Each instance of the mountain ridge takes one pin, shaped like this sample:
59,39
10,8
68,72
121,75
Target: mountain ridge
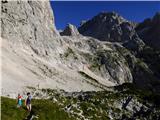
35,54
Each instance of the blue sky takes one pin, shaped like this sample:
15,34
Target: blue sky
75,11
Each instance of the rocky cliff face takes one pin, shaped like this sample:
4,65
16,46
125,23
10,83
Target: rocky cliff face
28,36
149,31
34,54
105,26
26,24
109,26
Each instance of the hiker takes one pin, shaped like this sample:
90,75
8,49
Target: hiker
19,101
28,101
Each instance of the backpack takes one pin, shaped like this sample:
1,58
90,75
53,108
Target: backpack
29,100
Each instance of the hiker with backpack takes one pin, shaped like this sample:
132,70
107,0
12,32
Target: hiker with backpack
28,102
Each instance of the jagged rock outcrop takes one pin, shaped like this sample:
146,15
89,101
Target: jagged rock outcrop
109,26
70,30
149,31
103,27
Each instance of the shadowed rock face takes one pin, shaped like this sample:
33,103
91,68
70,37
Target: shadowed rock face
149,31
104,26
109,26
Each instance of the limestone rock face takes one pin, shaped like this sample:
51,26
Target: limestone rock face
70,30
99,60
103,27
29,24
34,54
109,26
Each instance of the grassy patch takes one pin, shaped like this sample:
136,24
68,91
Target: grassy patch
89,105
45,109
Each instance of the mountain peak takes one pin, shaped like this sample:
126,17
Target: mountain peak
156,18
70,30
149,31
106,26
110,26
110,17
112,13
